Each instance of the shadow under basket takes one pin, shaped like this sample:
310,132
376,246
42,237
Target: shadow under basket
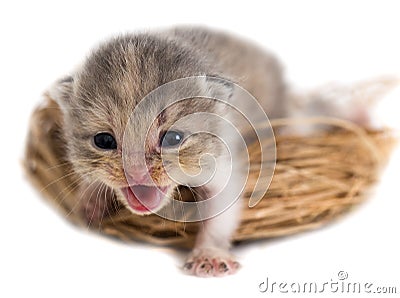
317,178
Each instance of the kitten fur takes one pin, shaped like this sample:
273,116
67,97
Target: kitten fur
101,94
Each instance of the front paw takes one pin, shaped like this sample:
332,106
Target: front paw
96,203
207,262
92,212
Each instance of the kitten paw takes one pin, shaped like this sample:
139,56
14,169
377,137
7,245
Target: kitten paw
93,212
208,262
97,203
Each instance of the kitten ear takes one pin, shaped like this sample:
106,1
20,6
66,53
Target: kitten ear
61,91
219,88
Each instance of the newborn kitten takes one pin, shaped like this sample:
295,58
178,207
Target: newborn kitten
99,98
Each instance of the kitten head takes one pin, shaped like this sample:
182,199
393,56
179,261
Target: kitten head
140,142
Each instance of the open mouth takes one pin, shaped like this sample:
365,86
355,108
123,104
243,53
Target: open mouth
144,198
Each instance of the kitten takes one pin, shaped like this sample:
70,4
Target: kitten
124,139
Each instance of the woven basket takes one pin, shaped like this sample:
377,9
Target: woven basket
317,179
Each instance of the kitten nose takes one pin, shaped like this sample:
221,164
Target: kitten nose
138,176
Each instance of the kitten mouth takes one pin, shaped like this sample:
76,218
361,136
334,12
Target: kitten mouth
144,198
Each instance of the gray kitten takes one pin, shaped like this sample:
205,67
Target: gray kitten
98,99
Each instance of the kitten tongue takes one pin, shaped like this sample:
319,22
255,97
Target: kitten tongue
142,198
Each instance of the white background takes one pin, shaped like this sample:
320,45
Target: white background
319,41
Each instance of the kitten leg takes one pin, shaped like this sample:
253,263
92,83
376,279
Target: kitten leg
353,102
96,202
211,256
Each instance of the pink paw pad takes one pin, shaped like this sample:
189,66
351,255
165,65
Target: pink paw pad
203,265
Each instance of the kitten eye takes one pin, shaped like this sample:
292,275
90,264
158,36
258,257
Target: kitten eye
171,138
105,141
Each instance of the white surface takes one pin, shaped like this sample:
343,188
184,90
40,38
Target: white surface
319,41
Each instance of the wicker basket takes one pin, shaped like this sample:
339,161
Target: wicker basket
317,179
